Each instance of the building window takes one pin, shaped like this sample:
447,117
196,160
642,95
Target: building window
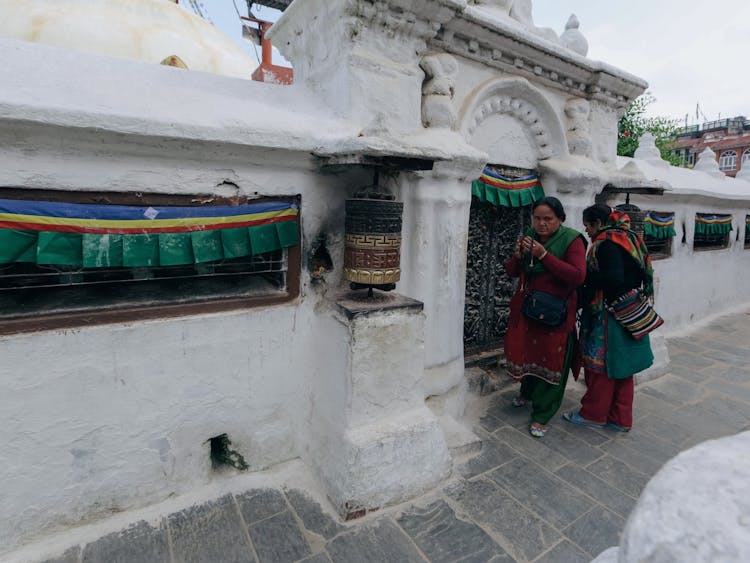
658,233
690,158
76,258
711,231
745,157
728,160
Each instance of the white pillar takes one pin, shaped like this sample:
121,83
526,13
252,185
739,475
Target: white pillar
375,441
433,264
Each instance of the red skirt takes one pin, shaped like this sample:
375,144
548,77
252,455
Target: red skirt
532,349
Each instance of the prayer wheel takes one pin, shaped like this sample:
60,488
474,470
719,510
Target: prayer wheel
637,217
372,251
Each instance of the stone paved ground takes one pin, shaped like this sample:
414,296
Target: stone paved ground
561,499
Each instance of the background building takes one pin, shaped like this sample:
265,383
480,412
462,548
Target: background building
728,138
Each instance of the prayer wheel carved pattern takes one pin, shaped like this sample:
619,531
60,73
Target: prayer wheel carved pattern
636,216
372,251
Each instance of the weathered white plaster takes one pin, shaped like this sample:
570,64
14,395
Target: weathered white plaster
696,508
357,54
113,417
572,37
708,164
104,418
376,442
146,30
648,151
534,114
436,252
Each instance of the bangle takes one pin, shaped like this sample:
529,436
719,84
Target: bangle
543,255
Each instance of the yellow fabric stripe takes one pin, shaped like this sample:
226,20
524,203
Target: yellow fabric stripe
144,223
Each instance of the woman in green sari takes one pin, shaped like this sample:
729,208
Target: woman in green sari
551,258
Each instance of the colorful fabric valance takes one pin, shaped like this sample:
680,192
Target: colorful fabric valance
500,190
712,224
659,225
105,236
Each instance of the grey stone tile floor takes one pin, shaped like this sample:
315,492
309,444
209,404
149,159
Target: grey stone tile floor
560,499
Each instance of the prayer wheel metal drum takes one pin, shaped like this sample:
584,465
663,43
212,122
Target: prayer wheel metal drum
372,252
637,217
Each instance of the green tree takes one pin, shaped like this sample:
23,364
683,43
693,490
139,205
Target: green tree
634,123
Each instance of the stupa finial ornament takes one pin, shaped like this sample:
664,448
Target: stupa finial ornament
647,149
572,38
707,163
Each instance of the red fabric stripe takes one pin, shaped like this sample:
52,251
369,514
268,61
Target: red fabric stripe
139,231
496,184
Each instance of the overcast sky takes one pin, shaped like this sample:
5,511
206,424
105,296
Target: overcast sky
690,52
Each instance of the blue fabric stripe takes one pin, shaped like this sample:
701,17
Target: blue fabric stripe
126,212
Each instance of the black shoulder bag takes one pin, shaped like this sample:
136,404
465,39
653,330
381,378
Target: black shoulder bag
543,308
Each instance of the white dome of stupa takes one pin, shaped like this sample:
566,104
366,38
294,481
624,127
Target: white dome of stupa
156,31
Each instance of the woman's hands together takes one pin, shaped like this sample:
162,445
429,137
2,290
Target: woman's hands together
529,245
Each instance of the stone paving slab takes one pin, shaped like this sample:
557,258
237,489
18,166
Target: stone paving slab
210,532
565,552
521,532
560,499
140,542
375,542
279,539
445,538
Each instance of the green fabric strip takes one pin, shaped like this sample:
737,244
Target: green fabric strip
657,232
163,249
264,238
288,232
140,251
175,249
102,251
207,246
712,228
506,198
235,242
17,246
61,249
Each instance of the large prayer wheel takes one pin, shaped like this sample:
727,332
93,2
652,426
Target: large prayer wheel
372,252
637,216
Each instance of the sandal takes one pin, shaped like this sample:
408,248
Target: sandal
576,418
537,430
518,401
617,427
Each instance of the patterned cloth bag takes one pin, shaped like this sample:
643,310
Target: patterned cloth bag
635,314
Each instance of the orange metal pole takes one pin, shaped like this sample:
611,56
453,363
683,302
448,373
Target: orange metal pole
265,45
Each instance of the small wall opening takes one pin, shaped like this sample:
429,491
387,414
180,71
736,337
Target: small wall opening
222,454
320,259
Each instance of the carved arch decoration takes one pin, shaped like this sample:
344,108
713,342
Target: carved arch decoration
517,98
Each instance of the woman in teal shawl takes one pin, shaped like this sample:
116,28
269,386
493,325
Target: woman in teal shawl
617,262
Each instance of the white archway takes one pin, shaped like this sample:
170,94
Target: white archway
515,100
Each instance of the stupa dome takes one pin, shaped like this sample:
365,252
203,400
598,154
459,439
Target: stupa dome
156,31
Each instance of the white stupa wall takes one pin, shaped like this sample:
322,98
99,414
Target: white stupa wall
694,509
110,417
115,416
145,30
